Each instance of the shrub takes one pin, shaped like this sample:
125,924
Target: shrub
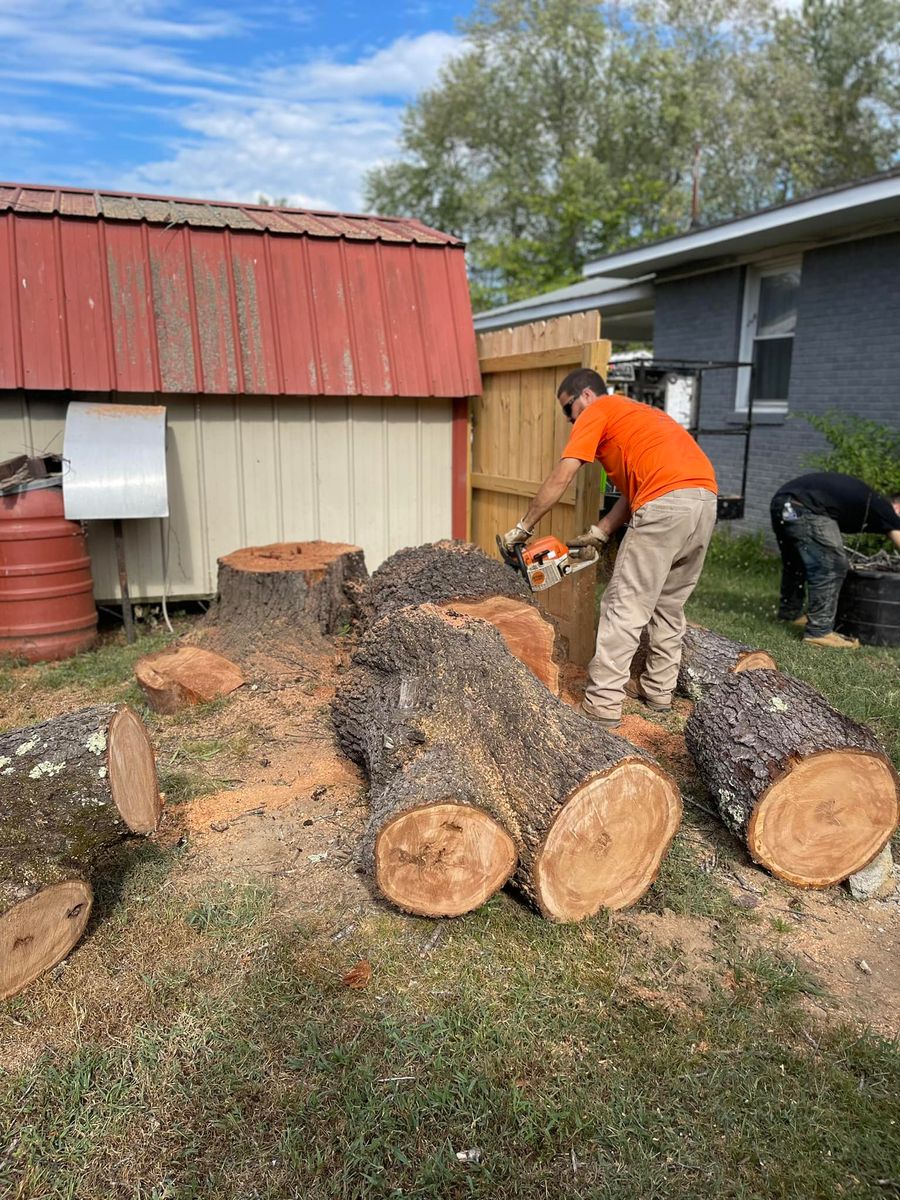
862,448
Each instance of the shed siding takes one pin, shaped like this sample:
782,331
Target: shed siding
846,356
372,471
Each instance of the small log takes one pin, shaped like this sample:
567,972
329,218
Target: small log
180,676
706,658
472,762
459,576
810,792
313,583
69,788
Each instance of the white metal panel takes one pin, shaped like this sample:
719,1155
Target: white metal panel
297,469
370,471
15,437
334,481
369,476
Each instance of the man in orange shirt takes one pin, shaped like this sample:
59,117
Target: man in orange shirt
668,491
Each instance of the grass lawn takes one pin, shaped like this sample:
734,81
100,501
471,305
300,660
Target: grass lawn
199,1044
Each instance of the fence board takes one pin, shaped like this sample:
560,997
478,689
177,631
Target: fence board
518,436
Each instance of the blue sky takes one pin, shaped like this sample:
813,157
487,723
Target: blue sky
221,101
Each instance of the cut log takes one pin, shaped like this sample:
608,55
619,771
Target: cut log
706,658
472,763
312,583
181,676
459,576
810,792
69,788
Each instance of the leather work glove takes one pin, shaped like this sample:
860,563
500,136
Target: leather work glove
594,540
517,536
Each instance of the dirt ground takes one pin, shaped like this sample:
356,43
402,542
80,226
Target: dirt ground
293,817
290,811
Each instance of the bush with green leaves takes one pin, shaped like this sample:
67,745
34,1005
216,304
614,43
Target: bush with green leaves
862,448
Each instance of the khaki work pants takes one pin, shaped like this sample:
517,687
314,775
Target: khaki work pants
657,568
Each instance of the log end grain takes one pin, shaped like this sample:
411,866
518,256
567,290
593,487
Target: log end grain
826,818
132,772
755,660
40,932
607,842
184,675
442,860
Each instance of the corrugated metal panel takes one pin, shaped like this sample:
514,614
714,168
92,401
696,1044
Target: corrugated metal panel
372,471
133,306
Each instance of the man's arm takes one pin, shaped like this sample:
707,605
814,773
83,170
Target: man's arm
551,490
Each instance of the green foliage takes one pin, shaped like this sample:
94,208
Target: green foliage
567,130
859,447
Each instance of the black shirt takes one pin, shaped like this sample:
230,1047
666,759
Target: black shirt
847,500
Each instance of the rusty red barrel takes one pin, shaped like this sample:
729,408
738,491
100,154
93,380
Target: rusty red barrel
47,607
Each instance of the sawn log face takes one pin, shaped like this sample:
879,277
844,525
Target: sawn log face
435,708
807,789
458,575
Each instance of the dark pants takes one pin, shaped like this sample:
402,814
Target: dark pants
812,553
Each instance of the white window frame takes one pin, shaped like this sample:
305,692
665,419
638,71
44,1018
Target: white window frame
749,314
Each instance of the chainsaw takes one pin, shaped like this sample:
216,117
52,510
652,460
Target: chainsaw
543,563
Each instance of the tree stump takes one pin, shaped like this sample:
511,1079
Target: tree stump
69,787
810,792
458,575
472,762
299,583
706,658
184,675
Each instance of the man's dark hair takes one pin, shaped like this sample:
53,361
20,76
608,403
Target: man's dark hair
895,497
576,381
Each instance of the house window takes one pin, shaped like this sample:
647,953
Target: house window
767,337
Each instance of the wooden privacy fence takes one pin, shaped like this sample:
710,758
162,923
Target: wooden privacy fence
518,435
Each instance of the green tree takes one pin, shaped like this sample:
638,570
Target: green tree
566,130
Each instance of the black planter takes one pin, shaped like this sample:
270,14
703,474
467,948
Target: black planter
869,607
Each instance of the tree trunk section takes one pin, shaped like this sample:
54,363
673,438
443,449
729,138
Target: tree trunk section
69,788
299,583
706,658
181,676
472,763
459,576
810,792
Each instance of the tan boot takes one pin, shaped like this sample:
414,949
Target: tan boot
801,621
834,641
634,690
604,722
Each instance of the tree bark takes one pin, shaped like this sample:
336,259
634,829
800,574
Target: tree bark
471,762
809,791
706,658
299,583
69,787
181,676
458,575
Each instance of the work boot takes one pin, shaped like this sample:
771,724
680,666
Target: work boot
834,641
604,722
636,692
800,621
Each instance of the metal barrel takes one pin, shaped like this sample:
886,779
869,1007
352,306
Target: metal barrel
869,607
47,608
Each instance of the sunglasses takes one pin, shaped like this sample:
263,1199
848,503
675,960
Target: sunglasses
567,408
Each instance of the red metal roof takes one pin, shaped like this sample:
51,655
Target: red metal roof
115,293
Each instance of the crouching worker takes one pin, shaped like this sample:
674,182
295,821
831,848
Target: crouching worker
809,514
668,491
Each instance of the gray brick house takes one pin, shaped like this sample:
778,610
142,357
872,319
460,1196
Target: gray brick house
808,291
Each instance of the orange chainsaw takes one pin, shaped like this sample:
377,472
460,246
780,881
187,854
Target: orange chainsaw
543,563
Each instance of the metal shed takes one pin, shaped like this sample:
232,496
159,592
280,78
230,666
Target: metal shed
315,367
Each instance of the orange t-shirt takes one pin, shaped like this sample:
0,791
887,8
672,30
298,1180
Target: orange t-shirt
644,451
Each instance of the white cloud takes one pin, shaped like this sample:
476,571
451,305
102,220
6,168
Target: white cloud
308,133
306,129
